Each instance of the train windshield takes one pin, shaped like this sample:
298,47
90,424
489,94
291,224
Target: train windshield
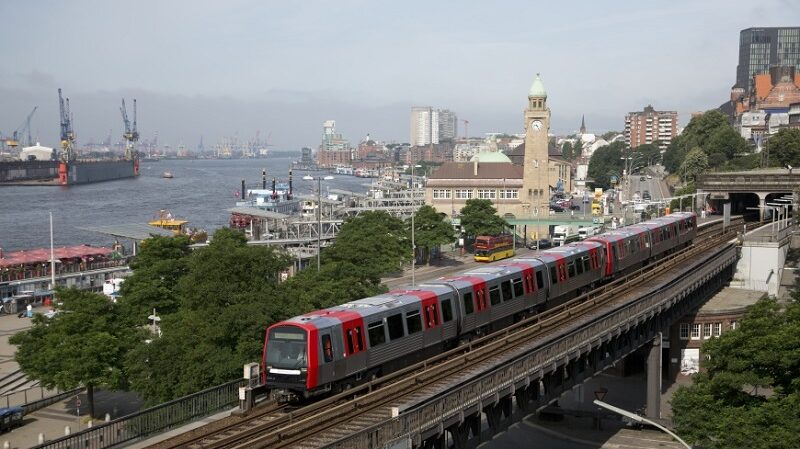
286,348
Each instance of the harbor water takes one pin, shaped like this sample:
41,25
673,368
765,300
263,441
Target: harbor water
200,191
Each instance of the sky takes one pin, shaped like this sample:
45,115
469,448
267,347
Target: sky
230,68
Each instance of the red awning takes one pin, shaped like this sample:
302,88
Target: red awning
42,255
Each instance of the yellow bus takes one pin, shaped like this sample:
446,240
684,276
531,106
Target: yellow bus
489,248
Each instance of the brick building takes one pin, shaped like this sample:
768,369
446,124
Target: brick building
650,126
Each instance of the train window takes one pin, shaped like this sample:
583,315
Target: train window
518,289
432,315
579,265
377,334
468,306
553,277
447,310
413,323
395,323
350,348
359,338
571,269
494,295
539,280
327,349
587,263
506,289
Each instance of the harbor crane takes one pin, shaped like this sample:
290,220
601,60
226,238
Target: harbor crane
131,134
67,134
13,142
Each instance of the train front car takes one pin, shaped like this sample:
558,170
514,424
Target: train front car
290,359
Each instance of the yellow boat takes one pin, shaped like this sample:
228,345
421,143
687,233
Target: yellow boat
165,220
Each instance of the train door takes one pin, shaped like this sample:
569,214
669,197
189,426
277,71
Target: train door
327,359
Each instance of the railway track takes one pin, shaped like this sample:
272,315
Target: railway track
278,426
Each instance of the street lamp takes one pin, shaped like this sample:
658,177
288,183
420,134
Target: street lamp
413,212
639,419
319,212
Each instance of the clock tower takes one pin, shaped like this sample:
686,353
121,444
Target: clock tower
536,186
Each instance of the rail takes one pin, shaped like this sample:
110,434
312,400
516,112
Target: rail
529,364
156,419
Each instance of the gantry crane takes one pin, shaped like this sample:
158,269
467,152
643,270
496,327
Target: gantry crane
67,134
131,135
13,142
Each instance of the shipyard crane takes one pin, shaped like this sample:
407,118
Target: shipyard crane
13,142
67,134
131,135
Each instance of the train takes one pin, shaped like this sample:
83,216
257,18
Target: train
330,350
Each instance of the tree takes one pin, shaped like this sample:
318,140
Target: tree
605,162
228,296
431,230
157,268
608,135
374,241
747,394
674,155
784,147
566,151
696,162
726,141
82,345
479,217
648,153
577,149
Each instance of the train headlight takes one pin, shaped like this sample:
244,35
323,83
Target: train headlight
303,370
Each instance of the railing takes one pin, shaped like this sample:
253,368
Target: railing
533,363
710,181
43,402
8,275
153,420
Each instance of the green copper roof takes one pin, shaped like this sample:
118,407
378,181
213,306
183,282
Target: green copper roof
490,156
537,89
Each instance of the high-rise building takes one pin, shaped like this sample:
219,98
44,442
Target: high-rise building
429,125
448,125
762,48
334,149
649,126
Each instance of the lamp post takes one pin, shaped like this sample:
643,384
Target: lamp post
639,419
413,212
319,212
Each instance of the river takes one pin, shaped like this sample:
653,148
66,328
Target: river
201,191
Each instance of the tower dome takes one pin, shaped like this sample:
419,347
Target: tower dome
537,88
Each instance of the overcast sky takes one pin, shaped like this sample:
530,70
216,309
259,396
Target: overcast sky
235,67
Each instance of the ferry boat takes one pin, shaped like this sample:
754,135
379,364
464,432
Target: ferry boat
165,220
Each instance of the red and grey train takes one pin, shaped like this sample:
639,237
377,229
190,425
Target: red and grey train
332,349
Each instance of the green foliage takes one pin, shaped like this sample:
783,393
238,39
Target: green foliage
688,189
158,266
566,151
374,241
479,217
648,153
608,135
696,162
605,162
577,150
336,283
784,147
713,134
82,345
748,394
431,230
227,297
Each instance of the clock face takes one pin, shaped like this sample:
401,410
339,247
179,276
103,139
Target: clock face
536,124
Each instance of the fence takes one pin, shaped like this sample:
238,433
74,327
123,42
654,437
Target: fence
153,420
30,397
43,271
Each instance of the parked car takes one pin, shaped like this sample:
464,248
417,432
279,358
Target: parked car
540,244
556,208
646,195
642,178
649,176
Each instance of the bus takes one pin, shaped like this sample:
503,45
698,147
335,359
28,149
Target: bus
489,248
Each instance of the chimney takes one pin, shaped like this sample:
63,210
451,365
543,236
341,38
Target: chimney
243,192
264,178
289,196
475,165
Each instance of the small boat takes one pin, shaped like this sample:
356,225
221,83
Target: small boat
167,175
165,220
